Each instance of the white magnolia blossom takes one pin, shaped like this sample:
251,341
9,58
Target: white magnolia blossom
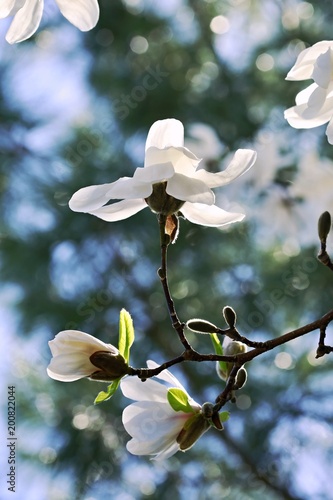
170,165
314,105
27,15
71,351
151,421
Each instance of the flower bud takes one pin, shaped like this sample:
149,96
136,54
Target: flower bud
229,316
223,370
212,416
324,226
241,378
111,367
234,348
193,429
201,326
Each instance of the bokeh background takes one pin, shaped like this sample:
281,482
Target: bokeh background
75,109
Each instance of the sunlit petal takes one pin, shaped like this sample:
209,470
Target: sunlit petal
120,210
212,216
303,68
91,197
188,189
70,367
26,21
134,388
182,160
83,14
242,161
10,7
165,133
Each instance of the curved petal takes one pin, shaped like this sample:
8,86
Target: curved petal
129,188
165,133
119,211
26,21
166,376
149,420
70,367
186,188
317,100
10,7
167,452
304,117
305,94
212,216
154,173
329,132
83,14
90,197
242,161
323,69
182,160
77,340
150,390
153,447
303,68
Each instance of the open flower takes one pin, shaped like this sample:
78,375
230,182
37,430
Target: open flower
168,183
155,426
77,355
314,105
27,14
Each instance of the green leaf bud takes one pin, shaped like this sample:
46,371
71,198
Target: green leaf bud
201,326
193,429
178,400
324,226
229,316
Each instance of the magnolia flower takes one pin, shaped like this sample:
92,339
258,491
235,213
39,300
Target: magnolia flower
28,13
168,183
155,426
314,105
77,355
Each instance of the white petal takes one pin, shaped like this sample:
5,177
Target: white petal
323,69
26,21
9,7
149,420
153,447
242,161
129,188
303,68
212,216
181,159
188,189
150,390
166,376
119,211
329,132
304,117
70,367
154,173
167,452
90,198
165,133
74,339
83,14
